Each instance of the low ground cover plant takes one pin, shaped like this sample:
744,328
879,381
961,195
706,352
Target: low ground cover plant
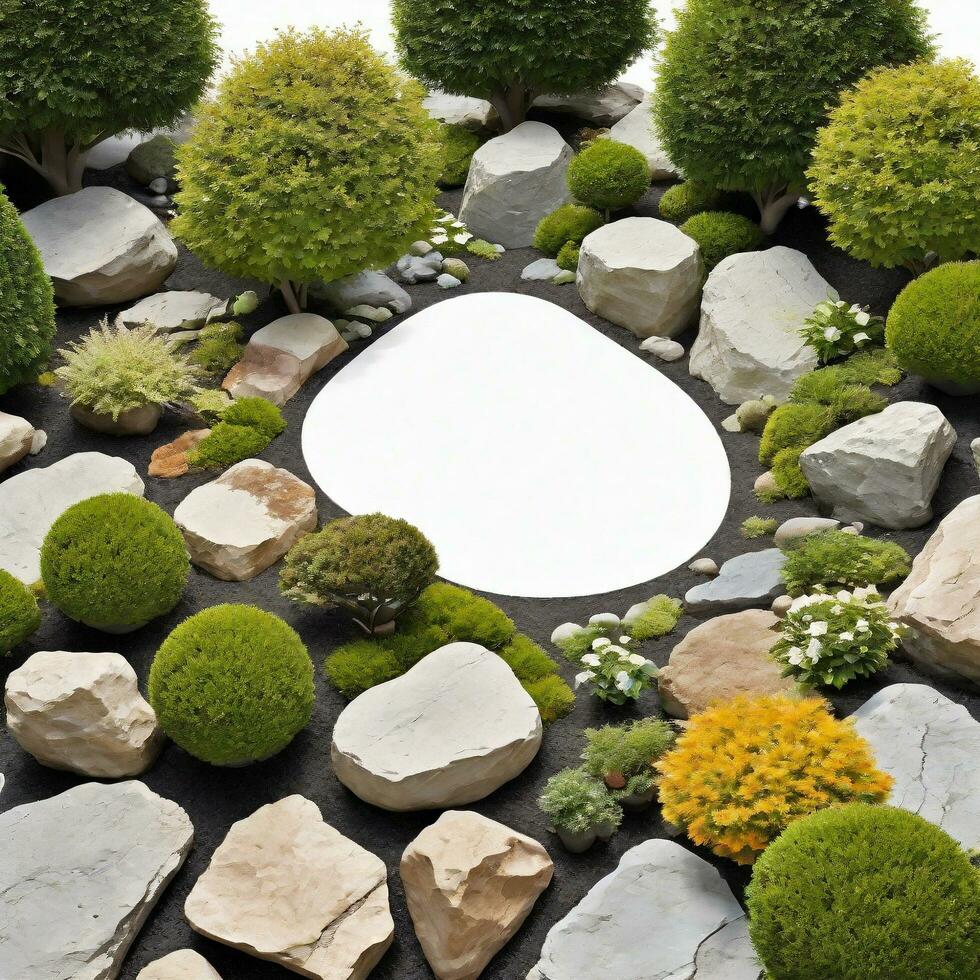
570,223
244,429
835,559
835,330
623,756
721,233
659,617
759,527
219,347
614,672
19,612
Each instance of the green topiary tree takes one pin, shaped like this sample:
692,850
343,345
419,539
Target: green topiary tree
19,613
743,87
27,324
895,170
859,892
608,176
75,72
315,160
508,51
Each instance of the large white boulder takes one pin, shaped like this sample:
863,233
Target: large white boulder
32,501
753,307
883,468
99,246
447,732
80,874
82,712
515,180
470,883
181,964
286,887
244,521
176,310
604,107
643,274
931,746
16,439
636,129
461,110
663,913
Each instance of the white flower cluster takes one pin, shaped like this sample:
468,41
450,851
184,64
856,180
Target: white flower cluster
835,329
449,226
612,667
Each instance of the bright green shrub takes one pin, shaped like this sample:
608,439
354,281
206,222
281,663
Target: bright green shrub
794,425
570,223
682,201
553,697
255,413
509,53
790,483
219,347
895,170
834,558
758,527
245,429
934,326
483,250
622,756
658,619
526,659
721,233
830,388
568,257
27,324
862,892
869,367
456,148
607,175
19,613
232,685
114,562
743,88
576,802
314,161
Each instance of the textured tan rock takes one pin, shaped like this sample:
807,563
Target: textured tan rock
182,964
470,883
286,887
170,460
16,439
725,656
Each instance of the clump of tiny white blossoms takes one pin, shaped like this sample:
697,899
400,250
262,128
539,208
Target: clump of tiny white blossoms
449,233
616,674
831,639
835,329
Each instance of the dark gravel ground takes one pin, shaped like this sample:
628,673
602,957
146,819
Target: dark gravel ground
215,798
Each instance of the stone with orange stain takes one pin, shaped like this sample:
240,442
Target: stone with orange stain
170,460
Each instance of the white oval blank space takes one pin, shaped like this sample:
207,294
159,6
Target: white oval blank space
540,457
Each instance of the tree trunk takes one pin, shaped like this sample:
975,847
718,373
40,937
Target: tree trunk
61,165
512,104
773,203
289,295
918,266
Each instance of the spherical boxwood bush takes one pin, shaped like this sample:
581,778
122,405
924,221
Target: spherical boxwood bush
608,175
26,303
19,613
570,223
934,327
568,257
683,201
114,562
745,769
232,685
858,892
721,233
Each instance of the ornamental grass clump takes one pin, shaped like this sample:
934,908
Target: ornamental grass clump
832,639
569,223
745,769
835,329
836,559
721,233
608,176
623,756
19,612
859,892
232,685
758,527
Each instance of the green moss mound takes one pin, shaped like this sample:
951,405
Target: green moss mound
19,613
658,619
246,428
456,148
721,233
794,425
682,201
570,223
834,558
568,257
219,348
862,892
608,176
114,561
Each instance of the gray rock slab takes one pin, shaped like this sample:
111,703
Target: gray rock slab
743,582
370,288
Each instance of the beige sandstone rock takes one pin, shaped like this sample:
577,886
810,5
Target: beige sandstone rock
470,883
170,460
182,964
286,887
16,438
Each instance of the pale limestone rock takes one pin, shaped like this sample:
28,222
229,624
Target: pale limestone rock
791,532
286,887
81,873
174,311
643,274
32,501
882,468
515,180
99,246
564,631
603,108
540,270
82,712
182,964
753,307
663,348
470,883
16,439
449,731
244,521
704,566
39,441
636,130
460,110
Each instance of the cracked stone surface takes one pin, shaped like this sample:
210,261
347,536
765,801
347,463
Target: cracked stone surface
81,873
182,964
931,745
286,887
663,914
742,582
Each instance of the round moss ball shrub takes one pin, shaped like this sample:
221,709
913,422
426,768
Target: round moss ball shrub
568,257
570,223
721,233
26,303
232,685
934,327
608,175
683,201
114,562
859,892
19,613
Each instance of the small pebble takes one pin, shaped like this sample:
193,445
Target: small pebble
446,281
39,441
376,314
731,424
704,566
781,604
765,483
457,268
663,347
362,330
159,185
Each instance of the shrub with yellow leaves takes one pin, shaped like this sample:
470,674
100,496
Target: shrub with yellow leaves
747,768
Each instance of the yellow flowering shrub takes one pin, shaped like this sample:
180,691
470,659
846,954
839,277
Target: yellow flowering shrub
747,768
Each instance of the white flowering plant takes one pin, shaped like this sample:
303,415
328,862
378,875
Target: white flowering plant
615,672
449,234
834,329
829,639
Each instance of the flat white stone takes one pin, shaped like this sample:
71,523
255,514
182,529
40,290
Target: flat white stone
463,396
175,310
663,913
449,731
461,110
603,108
81,873
636,130
663,348
16,439
931,746
182,964
540,270
32,501
793,530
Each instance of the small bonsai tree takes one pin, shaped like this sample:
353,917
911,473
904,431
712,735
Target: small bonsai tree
895,170
608,176
27,324
743,88
19,613
314,161
75,72
509,52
